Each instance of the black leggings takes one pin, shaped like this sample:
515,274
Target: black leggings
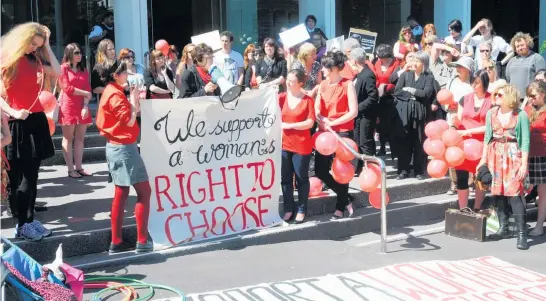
23,176
462,179
516,202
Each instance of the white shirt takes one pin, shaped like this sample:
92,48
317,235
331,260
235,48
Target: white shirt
229,64
499,45
458,41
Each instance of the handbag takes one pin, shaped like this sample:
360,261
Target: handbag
74,279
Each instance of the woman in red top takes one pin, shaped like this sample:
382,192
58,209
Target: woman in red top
336,107
471,115
74,115
383,69
298,116
404,44
116,120
536,93
25,53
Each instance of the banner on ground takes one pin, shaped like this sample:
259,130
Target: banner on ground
213,171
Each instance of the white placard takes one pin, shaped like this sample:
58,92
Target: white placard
213,171
294,36
335,43
210,38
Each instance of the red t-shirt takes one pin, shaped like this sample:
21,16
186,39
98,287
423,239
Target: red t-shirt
23,90
297,141
334,103
538,134
113,114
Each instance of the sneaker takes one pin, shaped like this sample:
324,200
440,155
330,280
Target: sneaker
122,247
144,248
27,232
41,229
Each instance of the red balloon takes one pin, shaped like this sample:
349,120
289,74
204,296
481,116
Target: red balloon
52,126
343,153
472,149
375,199
445,97
426,146
454,156
326,143
369,179
451,137
162,46
48,101
437,168
433,131
314,137
376,169
343,172
442,124
315,186
437,149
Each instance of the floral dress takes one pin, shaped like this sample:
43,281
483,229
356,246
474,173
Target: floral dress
504,157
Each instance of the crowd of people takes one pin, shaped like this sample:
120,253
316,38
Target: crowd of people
391,92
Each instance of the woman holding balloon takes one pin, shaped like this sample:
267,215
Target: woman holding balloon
336,107
25,49
506,153
298,116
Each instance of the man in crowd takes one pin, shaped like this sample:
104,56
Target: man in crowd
230,62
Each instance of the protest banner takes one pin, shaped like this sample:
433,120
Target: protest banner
213,171
366,38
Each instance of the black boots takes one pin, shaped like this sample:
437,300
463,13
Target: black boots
503,232
521,226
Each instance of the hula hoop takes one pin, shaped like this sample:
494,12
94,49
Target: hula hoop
128,291
132,284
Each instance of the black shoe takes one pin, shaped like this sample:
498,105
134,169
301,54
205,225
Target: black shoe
144,248
402,176
521,226
122,247
381,152
420,177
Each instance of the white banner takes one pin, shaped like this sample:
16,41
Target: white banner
213,171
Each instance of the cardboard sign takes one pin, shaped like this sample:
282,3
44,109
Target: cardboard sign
214,172
294,36
210,38
335,43
366,38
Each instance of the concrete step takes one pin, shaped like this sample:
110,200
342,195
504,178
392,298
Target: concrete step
90,129
91,140
90,154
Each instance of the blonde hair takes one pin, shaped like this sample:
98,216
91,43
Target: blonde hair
511,96
14,46
102,49
540,88
185,56
306,50
522,36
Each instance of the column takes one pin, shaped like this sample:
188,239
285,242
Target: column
324,10
131,26
542,25
447,10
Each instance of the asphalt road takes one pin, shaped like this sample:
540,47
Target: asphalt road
224,269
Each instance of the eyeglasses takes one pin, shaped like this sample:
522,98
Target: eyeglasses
77,53
499,95
490,68
485,50
430,44
129,57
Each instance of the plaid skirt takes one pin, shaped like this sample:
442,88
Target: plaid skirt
537,170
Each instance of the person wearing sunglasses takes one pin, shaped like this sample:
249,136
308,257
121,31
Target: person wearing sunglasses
506,154
487,34
494,82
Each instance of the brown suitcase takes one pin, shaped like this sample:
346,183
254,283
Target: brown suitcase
466,224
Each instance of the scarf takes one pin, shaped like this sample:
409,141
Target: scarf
205,76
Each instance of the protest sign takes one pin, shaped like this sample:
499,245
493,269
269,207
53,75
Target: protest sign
213,171
366,38
335,43
210,38
294,36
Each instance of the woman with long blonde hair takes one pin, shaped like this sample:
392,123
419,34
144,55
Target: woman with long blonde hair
106,54
25,53
186,61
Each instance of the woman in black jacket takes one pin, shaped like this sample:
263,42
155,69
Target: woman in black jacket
195,81
414,93
271,70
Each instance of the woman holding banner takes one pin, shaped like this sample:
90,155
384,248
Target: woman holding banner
116,121
336,108
298,116
195,81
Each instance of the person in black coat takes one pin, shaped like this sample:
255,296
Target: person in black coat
414,94
366,91
271,70
195,81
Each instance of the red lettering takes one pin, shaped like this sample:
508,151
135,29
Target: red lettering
412,290
482,274
236,173
180,178
258,174
165,191
212,184
538,294
261,211
455,278
243,217
503,295
201,190
215,220
168,229
205,224
513,271
413,272
251,212
272,175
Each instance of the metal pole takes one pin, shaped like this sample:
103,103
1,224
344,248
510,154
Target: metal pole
383,167
87,54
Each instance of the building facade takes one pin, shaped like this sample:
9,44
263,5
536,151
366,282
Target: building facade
138,23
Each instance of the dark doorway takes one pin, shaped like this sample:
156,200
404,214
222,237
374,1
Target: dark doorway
171,20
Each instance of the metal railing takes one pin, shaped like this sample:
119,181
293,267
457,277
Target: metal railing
383,167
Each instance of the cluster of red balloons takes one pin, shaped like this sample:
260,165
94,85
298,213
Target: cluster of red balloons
448,148
49,103
162,46
342,169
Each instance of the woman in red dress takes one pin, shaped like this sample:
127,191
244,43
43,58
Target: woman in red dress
404,44
25,53
471,115
74,115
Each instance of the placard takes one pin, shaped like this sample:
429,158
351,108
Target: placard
210,38
335,43
294,36
214,172
366,38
